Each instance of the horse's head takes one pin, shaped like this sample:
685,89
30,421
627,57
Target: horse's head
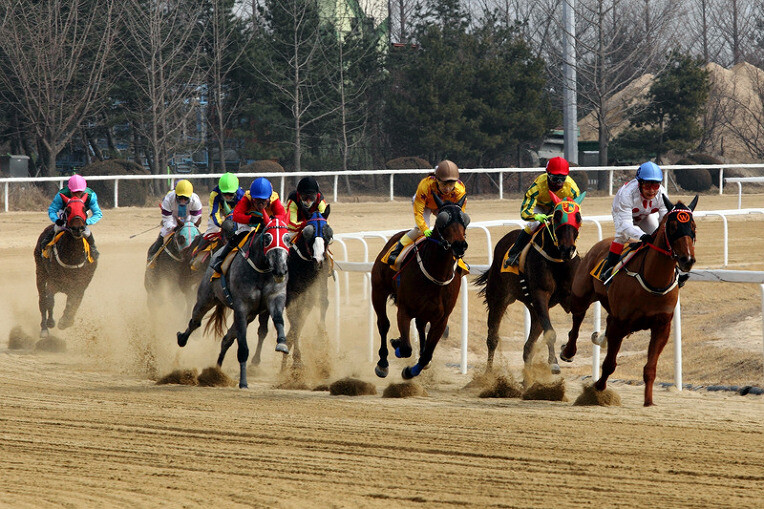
566,221
186,235
679,231
276,247
451,225
317,234
76,215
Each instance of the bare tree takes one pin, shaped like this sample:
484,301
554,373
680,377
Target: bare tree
400,28
743,115
54,56
163,48
736,22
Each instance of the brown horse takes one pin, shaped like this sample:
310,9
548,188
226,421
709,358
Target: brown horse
425,289
66,268
547,274
641,295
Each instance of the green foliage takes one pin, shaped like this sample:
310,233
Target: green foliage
677,101
471,96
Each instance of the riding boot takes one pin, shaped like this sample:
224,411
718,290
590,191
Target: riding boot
513,258
612,259
155,247
394,253
220,256
93,249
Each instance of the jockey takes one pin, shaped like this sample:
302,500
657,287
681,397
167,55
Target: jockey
179,206
223,199
537,203
302,203
443,182
76,188
637,210
255,208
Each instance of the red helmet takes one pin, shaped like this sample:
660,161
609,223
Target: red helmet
557,166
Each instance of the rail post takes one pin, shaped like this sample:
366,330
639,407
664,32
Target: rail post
678,344
465,328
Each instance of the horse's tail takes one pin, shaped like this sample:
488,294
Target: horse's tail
482,282
216,321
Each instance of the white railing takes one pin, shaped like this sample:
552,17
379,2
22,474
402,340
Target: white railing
697,275
337,174
740,181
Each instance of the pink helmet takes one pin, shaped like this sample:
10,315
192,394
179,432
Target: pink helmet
77,183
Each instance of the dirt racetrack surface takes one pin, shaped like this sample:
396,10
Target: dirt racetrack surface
90,428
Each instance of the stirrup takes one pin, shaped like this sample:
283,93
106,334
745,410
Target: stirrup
512,260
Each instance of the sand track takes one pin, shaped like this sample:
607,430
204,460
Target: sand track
90,428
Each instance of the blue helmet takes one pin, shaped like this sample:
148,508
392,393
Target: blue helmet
649,172
261,188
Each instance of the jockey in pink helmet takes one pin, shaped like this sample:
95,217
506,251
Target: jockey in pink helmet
75,188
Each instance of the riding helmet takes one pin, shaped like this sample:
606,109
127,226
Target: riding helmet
76,183
649,172
184,188
228,183
557,166
307,185
447,171
261,188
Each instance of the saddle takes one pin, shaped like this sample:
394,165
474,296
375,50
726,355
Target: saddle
203,252
226,265
517,269
628,252
406,251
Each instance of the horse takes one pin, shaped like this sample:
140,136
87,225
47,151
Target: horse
66,267
541,282
641,295
309,271
165,265
255,284
425,291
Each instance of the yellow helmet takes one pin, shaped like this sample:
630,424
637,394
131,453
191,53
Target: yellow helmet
184,188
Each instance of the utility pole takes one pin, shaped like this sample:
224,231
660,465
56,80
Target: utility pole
569,110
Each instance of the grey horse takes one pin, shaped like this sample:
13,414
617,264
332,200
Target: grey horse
255,285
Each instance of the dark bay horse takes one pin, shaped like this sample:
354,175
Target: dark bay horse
641,295
309,271
67,268
167,266
425,289
256,284
543,281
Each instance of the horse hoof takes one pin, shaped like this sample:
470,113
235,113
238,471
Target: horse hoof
380,371
282,347
563,356
44,334
182,340
50,323
555,369
410,372
427,366
244,386
64,323
598,339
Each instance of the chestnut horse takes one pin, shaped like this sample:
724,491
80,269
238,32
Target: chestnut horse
641,295
545,278
425,288
66,268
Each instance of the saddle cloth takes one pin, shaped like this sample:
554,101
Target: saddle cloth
628,252
48,249
199,256
516,269
230,256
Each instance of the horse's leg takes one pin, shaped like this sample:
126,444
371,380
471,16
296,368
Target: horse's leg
496,309
541,304
530,341
615,333
276,304
323,301
240,323
379,301
433,336
403,345
262,332
659,334
226,343
568,350
201,308
45,303
296,312
73,301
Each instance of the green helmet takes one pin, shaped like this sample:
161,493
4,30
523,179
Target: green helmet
228,183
